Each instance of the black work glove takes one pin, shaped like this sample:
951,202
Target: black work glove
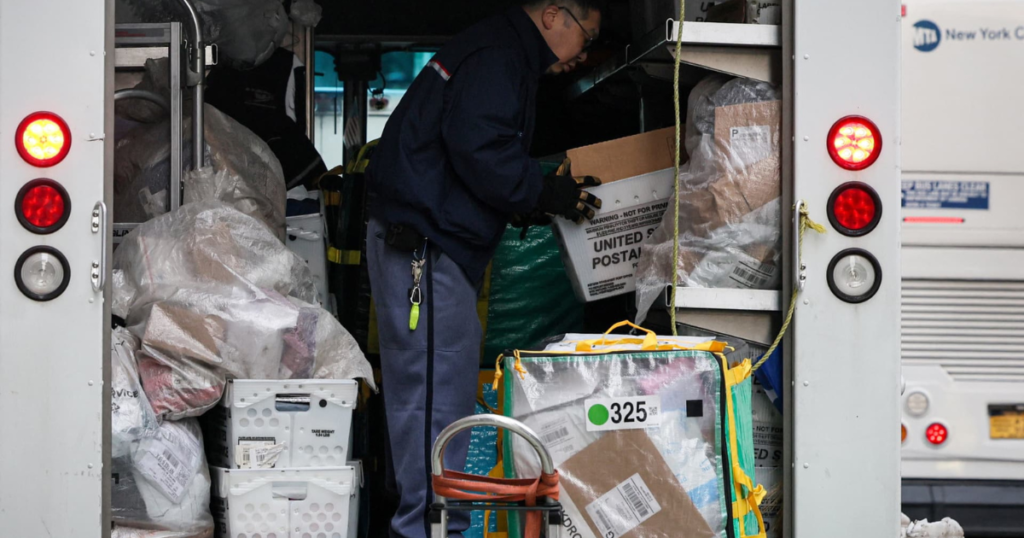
564,196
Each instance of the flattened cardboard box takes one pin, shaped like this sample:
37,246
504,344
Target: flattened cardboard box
627,157
628,461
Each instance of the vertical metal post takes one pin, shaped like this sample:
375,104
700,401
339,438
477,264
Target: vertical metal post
174,49
199,69
355,113
310,54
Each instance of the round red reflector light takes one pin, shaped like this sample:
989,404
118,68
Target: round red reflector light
854,209
936,434
854,142
42,206
903,433
43,139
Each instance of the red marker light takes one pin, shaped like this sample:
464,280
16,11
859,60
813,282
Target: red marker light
854,209
854,143
43,139
903,433
933,220
936,434
42,206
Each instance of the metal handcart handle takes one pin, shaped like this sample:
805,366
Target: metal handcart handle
550,508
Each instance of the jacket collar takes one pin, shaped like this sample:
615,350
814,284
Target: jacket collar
538,53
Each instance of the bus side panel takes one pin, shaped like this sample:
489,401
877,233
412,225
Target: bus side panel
54,379
846,364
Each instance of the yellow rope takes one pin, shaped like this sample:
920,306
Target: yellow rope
675,222
805,223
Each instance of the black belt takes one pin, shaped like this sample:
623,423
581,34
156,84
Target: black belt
404,237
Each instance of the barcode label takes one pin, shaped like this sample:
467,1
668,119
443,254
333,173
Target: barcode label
258,456
752,280
172,459
752,274
624,508
634,499
551,437
603,521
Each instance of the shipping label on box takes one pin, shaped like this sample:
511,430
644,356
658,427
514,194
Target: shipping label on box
601,255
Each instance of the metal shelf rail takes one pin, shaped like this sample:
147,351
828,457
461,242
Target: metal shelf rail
747,50
133,45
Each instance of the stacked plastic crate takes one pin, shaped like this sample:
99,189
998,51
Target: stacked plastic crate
280,456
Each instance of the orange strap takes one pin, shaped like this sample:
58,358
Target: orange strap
471,487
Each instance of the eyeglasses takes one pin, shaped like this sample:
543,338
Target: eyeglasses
588,40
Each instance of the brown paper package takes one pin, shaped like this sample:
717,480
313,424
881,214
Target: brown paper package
611,460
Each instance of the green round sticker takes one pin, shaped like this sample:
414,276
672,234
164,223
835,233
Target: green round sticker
598,415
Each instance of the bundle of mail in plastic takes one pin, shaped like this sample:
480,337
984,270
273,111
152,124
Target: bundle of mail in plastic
165,484
640,434
729,195
212,294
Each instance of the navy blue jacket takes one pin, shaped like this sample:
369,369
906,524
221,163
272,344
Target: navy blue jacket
453,162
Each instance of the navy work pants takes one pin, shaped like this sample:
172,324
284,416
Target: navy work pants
430,375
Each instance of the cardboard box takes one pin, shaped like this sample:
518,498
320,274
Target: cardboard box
621,487
281,424
601,255
288,502
626,157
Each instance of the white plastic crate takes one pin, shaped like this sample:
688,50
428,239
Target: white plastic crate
286,503
282,424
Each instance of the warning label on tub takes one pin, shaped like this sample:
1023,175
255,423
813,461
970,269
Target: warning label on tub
945,194
613,242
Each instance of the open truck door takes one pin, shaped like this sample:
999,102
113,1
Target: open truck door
55,120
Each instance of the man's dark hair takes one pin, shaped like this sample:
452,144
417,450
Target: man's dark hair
579,7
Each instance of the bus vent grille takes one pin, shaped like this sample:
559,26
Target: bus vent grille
973,330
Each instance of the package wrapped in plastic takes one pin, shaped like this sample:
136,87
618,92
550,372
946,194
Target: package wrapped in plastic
657,409
729,195
214,296
266,203
166,484
243,171
132,417
121,293
193,342
246,31
208,245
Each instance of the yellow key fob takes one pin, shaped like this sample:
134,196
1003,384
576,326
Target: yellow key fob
414,317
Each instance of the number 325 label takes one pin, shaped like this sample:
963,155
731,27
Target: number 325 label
627,413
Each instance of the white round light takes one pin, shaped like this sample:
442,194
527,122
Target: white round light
854,275
42,273
917,404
